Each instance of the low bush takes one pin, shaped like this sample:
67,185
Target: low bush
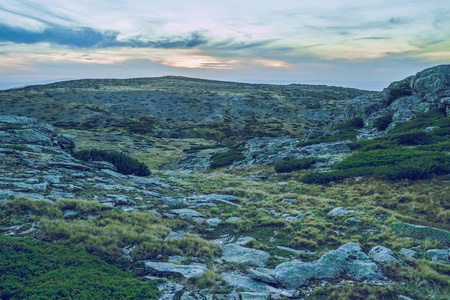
293,164
38,270
351,124
389,164
125,164
399,91
383,122
413,138
227,158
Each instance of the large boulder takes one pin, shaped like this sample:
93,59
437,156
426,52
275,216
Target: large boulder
242,255
348,260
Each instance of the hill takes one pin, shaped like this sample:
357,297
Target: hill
226,190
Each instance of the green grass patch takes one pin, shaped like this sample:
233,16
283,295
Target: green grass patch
38,270
17,147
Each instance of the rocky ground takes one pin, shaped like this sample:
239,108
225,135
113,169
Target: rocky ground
252,233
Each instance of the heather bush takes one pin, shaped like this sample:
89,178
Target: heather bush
125,164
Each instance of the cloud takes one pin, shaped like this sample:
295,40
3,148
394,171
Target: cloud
82,37
86,37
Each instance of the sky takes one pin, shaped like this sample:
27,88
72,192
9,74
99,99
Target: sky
361,44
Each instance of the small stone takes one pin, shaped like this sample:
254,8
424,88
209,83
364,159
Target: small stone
352,220
290,219
69,213
233,219
289,200
408,253
175,235
213,222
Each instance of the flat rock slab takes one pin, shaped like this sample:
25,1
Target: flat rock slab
348,260
187,213
242,255
249,285
162,269
422,232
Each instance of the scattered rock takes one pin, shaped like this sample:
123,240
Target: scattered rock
408,253
352,220
70,213
348,260
175,235
172,202
289,200
340,211
262,274
169,270
187,213
170,290
213,222
233,219
241,255
438,255
382,254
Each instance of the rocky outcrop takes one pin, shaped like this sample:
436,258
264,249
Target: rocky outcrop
348,260
27,131
404,99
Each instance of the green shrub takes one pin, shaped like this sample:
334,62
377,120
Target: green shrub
383,122
292,164
390,164
17,147
226,158
38,270
413,138
125,164
352,124
416,168
399,91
